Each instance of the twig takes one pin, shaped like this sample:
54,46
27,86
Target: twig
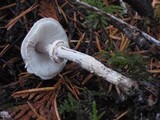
131,32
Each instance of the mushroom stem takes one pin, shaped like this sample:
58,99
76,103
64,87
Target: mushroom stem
42,47
59,50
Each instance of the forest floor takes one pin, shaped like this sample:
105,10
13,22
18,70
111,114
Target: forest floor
76,94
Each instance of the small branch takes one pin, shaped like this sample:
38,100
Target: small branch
131,32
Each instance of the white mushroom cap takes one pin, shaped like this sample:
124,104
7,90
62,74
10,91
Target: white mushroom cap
44,31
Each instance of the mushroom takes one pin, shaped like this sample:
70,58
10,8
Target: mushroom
45,51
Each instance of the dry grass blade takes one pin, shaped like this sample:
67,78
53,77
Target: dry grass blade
14,20
89,77
37,90
98,42
154,71
72,88
124,43
24,92
120,116
4,50
80,41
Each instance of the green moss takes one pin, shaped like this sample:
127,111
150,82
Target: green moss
134,65
119,60
107,8
94,20
86,108
94,115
